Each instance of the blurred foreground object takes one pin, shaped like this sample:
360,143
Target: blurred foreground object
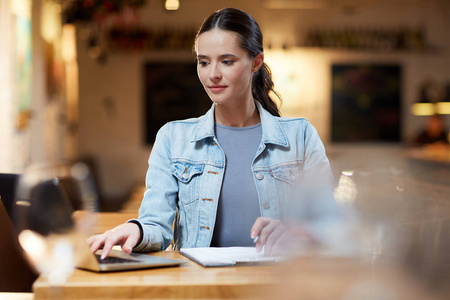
394,230
16,275
47,197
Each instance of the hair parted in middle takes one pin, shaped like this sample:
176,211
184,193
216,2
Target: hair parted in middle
251,40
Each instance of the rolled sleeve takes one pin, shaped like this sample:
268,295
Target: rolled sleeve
146,243
158,207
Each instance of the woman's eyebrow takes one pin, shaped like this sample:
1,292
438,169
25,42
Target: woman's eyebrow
227,55
202,56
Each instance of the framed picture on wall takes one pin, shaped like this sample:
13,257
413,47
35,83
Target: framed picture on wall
172,92
366,103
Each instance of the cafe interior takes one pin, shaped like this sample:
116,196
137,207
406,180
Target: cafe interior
85,86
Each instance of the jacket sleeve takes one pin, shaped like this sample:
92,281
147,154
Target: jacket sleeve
316,165
158,207
314,200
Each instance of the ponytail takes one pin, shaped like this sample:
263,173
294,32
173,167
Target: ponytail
262,85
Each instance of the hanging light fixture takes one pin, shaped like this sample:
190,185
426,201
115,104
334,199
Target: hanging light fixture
443,107
172,4
424,106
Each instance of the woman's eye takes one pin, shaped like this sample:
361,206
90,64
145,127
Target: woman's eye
203,63
227,62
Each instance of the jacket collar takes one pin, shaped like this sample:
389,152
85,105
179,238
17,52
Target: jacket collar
272,132
205,126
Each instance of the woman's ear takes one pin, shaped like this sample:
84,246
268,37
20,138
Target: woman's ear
258,62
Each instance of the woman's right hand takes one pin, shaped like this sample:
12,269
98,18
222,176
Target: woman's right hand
126,235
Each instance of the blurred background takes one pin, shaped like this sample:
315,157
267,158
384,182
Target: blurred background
92,81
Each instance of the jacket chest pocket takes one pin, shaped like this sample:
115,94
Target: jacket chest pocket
286,177
188,176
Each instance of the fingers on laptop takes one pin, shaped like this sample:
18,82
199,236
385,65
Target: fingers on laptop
125,235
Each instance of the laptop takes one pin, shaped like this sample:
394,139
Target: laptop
118,260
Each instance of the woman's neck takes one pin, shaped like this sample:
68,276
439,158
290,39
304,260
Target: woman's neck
243,115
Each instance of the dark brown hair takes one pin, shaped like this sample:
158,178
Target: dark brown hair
250,39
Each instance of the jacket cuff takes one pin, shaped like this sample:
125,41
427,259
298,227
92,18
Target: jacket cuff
134,221
148,242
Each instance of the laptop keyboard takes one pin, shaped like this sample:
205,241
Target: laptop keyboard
113,260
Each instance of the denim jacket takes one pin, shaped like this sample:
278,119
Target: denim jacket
186,169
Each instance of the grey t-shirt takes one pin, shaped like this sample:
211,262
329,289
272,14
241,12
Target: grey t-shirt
238,205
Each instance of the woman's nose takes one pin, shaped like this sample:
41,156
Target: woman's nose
215,73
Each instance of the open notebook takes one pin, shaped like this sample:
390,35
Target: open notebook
227,256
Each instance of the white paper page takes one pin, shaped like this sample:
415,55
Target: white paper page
226,255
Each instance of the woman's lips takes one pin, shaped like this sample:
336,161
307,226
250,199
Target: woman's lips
217,88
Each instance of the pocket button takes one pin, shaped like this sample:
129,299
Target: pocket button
259,176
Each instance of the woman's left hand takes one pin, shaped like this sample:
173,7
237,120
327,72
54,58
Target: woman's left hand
268,231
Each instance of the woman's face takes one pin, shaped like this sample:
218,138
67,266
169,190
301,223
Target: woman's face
224,68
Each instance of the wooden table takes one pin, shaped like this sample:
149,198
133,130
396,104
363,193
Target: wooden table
306,278
134,200
185,282
439,154
16,296
301,278
105,220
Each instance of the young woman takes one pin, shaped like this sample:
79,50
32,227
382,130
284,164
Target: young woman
223,179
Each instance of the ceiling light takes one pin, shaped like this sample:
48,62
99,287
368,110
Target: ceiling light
172,4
